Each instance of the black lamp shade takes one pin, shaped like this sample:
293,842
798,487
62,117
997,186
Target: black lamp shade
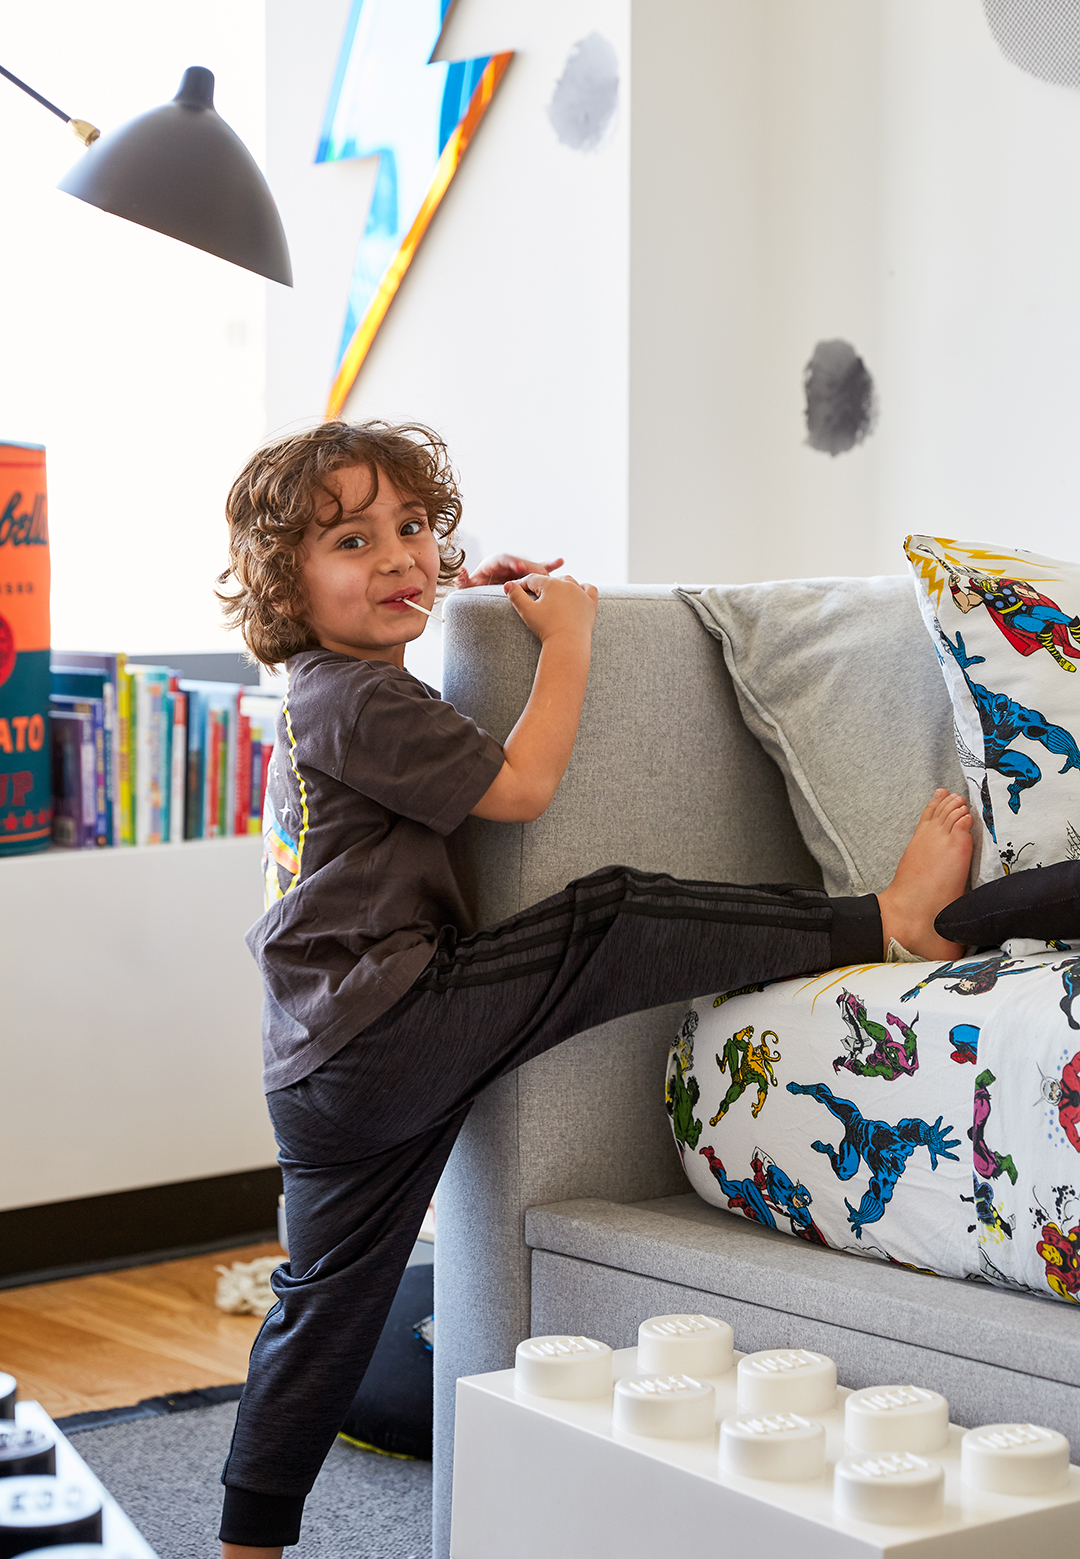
180,170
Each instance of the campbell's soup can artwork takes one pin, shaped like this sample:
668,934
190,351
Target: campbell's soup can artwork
25,777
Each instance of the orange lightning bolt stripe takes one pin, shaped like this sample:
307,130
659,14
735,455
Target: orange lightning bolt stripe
447,166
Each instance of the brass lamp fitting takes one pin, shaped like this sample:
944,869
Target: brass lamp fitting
87,133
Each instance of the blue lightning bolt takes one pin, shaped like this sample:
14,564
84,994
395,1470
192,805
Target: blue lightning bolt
418,118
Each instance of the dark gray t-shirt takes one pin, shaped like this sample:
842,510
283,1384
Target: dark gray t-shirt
372,773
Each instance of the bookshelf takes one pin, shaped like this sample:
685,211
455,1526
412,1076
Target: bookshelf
129,1019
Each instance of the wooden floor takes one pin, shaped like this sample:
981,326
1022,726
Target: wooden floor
110,1340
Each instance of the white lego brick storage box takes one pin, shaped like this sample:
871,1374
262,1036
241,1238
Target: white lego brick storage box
684,1445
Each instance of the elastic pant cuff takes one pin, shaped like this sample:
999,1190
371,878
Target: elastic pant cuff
260,1520
856,935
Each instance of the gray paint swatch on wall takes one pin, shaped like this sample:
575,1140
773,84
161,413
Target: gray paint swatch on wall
586,94
841,407
1041,36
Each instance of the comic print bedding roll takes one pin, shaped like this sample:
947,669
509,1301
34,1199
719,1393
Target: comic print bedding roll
1006,627
25,778
927,1114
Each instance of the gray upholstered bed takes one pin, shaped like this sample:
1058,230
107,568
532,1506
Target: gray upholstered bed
564,1206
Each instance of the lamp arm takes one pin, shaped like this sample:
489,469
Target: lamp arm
87,133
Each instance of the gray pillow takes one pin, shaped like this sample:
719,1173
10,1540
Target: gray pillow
839,682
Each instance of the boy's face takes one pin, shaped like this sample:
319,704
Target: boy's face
353,570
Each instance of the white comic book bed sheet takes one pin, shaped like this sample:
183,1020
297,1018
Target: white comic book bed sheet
927,1114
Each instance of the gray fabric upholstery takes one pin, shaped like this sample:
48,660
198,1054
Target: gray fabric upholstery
683,1240
664,776
585,1297
834,678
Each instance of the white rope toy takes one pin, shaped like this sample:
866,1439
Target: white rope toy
244,1288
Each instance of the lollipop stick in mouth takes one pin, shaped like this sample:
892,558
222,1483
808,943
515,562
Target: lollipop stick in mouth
418,608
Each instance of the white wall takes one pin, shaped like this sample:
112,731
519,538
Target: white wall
323,207
877,172
138,361
509,332
982,315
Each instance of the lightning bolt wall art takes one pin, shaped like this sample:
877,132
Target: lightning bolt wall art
386,100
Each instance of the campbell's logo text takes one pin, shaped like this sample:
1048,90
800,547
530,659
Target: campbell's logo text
28,529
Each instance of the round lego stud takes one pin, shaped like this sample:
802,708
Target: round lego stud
7,1397
1015,1459
779,1447
786,1380
668,1407
685,1345
39,1511
573,1368
896,1418
24,1451
897,1489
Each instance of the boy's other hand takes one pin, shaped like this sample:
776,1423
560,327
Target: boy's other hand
502,567
549,606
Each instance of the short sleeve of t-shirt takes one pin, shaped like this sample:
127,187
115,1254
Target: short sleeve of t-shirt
416,756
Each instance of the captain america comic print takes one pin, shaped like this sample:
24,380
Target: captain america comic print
766,1194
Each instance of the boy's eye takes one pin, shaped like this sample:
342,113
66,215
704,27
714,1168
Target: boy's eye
354,543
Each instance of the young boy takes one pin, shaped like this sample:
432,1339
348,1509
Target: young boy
386,1012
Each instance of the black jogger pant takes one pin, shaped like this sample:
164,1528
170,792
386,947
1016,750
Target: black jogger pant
364,1138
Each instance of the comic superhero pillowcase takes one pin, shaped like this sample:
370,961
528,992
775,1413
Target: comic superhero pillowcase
1006,626
926,1114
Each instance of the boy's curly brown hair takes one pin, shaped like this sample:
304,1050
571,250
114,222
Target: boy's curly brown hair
277,495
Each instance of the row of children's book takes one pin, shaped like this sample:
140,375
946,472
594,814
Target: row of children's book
143,755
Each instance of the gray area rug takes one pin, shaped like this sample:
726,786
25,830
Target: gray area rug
164,1472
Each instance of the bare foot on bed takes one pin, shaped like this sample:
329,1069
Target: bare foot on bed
933,871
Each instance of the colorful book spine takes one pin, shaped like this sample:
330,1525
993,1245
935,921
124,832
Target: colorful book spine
267,754
109,710
196,763
262,710
112,666
178,770
168,703
213,746
242,790
255,776
125,790
95,709
81,682
74,779
257,773
150,684
214,734
232,758
226,768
